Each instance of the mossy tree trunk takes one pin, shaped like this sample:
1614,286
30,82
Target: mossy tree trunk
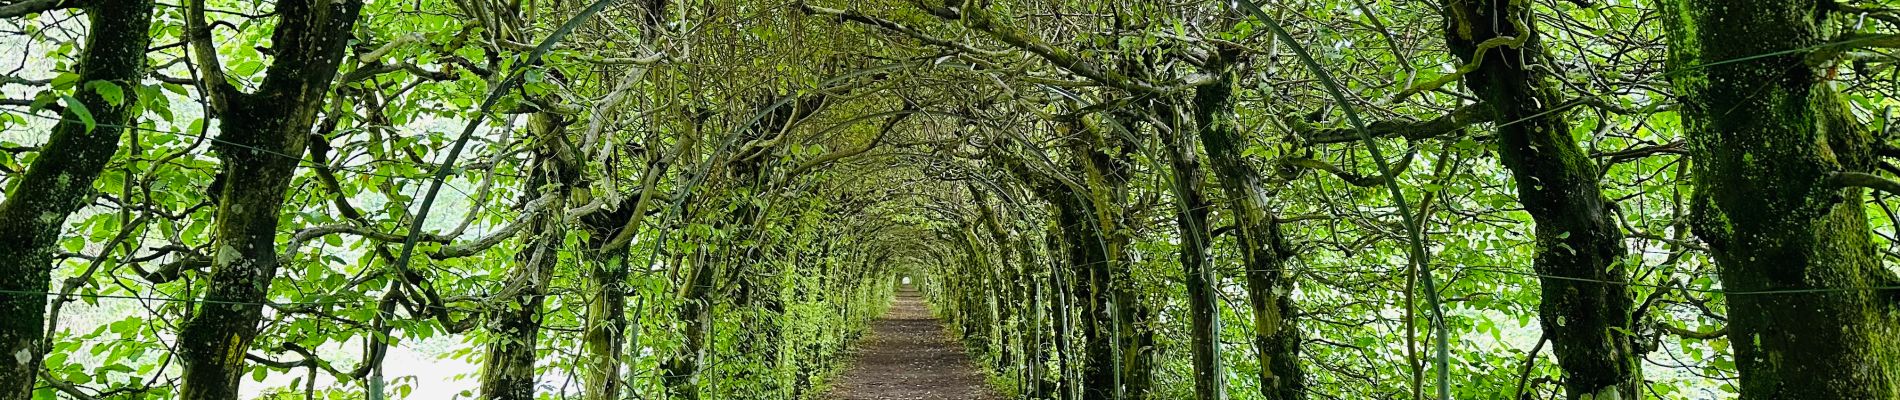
59,182
605,336
1264,250
258,130
1121,346
1190,216
1580,251
508,363
1770,137
1074,243
1061,301
1099,246
681,370
1011,282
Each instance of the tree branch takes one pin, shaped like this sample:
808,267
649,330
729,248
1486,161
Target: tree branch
1691,334
205,53
1457,120
23,8
1351,177
980,20
896,116
171,271
485,242
894,26
1864,180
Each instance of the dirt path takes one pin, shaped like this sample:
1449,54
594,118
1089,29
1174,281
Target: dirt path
909,356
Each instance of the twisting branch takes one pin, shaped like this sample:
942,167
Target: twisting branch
889,124
1455,121
894,26
1691,334
205,54
980,20
175,269
649,59
1864,180
500,235
1477,59
1677,147
63,386
1352,178
305,235
398,42
28,7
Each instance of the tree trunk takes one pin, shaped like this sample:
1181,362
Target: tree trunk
60,182
681,371
1120,347
605,335
1034,352
258,130
1101,377
1010,282
1770,137
1190,215
1580,252
1059,303
508,365
1263,249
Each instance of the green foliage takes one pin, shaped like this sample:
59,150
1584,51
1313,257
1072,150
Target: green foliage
975,179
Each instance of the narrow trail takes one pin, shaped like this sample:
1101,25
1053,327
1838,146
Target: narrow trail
909,356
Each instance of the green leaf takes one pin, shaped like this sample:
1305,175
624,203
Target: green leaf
79,110
65,80
108,91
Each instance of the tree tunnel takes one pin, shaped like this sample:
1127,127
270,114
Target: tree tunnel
948,199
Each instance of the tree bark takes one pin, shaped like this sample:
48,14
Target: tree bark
681,371
1767,135
60,182
1580,254
1009,280
1059,306
262,133
1264,250
1190,215
1093,261
508,371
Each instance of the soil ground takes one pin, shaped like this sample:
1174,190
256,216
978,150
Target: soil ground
909,356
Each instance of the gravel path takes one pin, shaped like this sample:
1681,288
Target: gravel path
910,356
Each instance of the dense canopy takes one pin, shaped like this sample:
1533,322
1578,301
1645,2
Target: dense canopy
713,199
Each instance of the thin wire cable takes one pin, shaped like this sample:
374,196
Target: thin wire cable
361,170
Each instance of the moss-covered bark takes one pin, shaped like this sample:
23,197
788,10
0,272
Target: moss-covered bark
1190,220
605,333
60,181
1011,281
1061,300
1580,250
257,130
1263,249
1767,134
514,327
1075,243
1121,347
680,373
